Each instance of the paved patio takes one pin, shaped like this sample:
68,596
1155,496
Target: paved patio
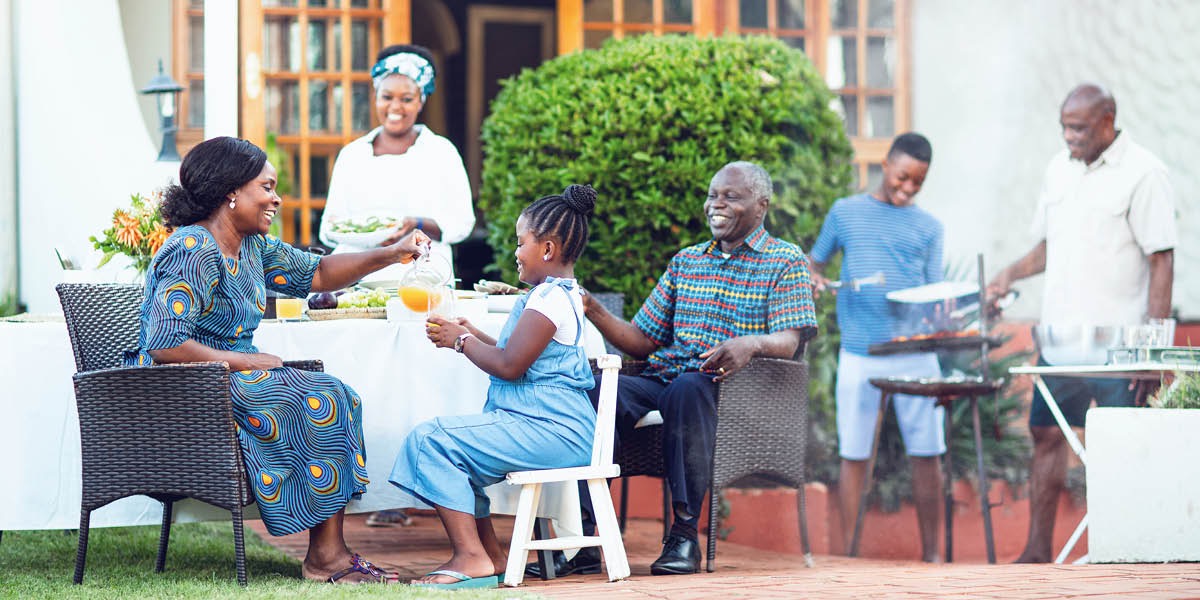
744,572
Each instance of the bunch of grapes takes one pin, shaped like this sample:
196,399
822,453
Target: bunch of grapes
376,298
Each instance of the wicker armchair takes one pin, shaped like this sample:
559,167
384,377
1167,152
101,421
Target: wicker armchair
164,431
762,429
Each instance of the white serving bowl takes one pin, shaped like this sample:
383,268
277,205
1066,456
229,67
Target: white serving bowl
369,239
1069,345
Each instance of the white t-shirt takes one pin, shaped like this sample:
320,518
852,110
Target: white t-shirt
1101,222
564,308
426,181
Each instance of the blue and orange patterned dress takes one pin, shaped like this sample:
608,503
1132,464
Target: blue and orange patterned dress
300,431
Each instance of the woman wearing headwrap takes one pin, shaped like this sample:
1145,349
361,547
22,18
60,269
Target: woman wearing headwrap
401,169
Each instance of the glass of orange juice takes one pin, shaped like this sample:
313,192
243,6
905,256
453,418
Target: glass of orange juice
288,309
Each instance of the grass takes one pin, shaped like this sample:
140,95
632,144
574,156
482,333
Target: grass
39,564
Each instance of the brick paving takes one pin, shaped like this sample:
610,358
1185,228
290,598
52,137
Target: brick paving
744,572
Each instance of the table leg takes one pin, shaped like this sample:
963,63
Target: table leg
1076,446
868,477
1074,539
948,483
985,503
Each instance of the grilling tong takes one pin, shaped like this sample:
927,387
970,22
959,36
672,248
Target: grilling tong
856,284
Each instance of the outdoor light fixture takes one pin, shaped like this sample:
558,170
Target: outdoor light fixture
164,89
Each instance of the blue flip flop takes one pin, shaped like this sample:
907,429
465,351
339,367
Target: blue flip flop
464,581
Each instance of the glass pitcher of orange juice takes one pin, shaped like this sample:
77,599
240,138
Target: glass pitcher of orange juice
427,287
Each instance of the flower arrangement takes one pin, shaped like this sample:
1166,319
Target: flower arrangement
137,232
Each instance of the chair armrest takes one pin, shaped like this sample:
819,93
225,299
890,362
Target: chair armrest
165,413
305,365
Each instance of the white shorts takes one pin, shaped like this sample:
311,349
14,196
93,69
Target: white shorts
921,420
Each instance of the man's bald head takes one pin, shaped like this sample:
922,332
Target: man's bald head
1088,121
1092,96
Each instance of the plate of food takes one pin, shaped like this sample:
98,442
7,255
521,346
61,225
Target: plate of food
366,233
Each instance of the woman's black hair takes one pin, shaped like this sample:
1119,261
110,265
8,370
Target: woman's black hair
565,217
212,170
421,51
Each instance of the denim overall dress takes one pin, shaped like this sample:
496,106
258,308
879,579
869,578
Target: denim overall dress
541,420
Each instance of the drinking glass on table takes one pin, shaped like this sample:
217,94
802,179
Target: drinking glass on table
288,308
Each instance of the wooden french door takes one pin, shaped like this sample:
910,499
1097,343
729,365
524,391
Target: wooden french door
306,81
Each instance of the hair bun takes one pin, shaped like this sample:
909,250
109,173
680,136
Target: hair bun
580,198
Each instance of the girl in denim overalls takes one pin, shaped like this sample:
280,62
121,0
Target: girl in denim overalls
537,414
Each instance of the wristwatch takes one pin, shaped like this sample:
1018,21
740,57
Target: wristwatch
460,340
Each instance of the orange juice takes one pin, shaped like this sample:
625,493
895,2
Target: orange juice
288,308
419,299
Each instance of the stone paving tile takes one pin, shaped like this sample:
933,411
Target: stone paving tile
743,572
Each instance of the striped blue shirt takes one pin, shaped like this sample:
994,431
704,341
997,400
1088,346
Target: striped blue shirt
706,297
905,243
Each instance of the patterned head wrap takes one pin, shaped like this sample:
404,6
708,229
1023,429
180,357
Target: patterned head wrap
405,63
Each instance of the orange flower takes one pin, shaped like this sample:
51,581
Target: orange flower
124,220
128,234
156,238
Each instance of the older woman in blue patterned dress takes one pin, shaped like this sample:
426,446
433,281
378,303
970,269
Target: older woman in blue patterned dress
300,431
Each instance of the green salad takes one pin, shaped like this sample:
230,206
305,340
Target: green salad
370,225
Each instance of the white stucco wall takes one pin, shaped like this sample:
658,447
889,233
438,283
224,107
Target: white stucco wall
988,78
146,28
8,186
82,141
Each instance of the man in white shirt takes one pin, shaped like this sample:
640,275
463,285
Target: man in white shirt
1106,224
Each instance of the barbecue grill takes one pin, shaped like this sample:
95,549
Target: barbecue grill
945,389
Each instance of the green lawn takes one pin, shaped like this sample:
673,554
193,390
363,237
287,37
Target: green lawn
39,564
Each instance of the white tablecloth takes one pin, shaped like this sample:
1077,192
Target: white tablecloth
402,378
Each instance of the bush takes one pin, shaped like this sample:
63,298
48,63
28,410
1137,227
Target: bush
648,121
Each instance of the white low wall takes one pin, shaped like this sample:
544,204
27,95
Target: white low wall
1143,495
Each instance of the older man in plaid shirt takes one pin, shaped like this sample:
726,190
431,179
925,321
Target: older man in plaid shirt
719,304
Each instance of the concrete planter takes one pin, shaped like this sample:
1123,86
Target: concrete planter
1143,494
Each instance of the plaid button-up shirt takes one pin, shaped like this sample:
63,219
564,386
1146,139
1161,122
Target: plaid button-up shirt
706,297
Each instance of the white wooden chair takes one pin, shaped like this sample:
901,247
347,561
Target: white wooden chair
596,474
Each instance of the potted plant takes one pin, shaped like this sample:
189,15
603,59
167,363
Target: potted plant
136,232
1142,494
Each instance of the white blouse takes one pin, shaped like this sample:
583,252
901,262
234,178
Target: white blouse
428,181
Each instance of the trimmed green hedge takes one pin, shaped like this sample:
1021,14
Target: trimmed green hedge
648,121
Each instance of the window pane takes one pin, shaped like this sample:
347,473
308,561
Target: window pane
595,11
593,39
841,62
360,59
282,103
360,110
318,3
196,44
318,105
843,14
880,14
281,44
361,4
753,13
639,11
880,117
337,45
337,107
881,62
317,51
791,14
848,109
319,175
198,4
195,116
677,11
795,42
874,177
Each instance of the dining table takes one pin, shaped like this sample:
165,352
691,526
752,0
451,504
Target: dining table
402,378
1136,371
